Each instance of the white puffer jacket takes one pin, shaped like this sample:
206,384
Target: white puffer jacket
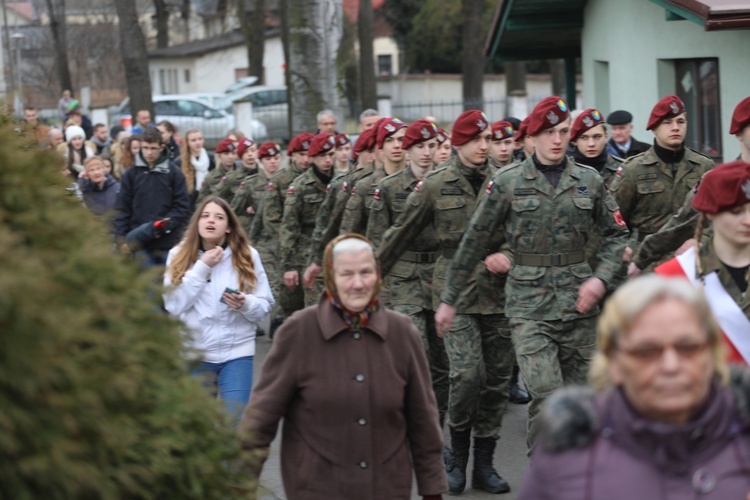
218,332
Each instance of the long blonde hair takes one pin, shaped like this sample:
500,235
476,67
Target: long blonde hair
187,166
242,259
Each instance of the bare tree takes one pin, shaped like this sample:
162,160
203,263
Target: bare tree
557,75
472,62
252,14
56,11
365,22
162,24
134,58
313,34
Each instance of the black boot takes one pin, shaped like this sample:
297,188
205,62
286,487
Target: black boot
516,394
275,324
484,476
459,457
260,332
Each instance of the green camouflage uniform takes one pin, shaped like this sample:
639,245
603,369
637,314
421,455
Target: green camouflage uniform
212,182
228,188
266,228
478,344
409,282
546,228
249,193
331,211
650,191
709,263
358,205
303,199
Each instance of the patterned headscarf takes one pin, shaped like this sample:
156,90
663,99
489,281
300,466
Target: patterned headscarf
355,319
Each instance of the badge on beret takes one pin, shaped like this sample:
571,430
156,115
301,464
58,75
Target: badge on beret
588,121
389,127
272,151
481,124
397,121
618,218
746,189
290,190
305,145
344,138
376,195
674,107
552,117
509,130
498,134
596,115
425,133
561,104
441,138
489,187
434,127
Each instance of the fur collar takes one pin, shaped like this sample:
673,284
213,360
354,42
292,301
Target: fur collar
570,418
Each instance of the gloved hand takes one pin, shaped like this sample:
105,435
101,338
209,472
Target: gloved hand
146,232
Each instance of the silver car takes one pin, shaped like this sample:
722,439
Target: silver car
187,112
269,107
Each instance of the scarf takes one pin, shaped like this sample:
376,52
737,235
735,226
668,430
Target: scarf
354,319
553,173
200,164
669,155
596,162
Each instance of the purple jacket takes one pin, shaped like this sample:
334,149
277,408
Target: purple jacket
597,447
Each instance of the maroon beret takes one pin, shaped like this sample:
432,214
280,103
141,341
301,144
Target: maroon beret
442,136
342,139
226,146
244,144
365,141
502,130
522,129
418,132
468,125
299,143
587,120
741,116
268,149
547,113
724,187
321,143
669,107
386,127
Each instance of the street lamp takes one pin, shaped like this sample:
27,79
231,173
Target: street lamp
18,101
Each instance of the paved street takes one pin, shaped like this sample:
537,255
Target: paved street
510,456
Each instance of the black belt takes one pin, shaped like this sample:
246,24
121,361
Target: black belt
549,260
419,257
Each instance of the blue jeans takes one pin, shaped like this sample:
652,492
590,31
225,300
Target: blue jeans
233,379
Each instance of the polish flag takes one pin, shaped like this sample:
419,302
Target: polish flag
731,318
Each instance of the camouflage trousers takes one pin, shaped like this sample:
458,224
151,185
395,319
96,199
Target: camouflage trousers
312,295
290,300
434,348
268,259
481,359
551,354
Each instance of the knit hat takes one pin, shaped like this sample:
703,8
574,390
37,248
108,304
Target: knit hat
584,122
502,130
268,149
668,107
74,131
723,188
321,143
418,132
548,113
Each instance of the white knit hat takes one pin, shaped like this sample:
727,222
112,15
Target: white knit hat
74,131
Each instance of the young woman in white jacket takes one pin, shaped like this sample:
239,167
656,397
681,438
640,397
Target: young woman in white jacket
217,287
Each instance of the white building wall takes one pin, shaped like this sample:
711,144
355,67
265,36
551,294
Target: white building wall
638,42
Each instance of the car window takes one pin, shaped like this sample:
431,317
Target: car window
279,97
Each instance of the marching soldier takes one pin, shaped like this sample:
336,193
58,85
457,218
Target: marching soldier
525,142
211,184
343,152
544,208
478,344
444,151
244,166
503,144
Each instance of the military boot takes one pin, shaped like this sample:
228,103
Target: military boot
516,394
459,457
484,476
275,324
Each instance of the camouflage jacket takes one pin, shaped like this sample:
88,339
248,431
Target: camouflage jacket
409,281
710,262
267,220
249,193
332,210
233,180
445,200
357,210
649,191
303,199
212,183
546,229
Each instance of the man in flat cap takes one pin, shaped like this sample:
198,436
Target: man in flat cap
623,144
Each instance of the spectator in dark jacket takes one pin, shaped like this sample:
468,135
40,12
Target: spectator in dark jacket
99,188
153,195
168,132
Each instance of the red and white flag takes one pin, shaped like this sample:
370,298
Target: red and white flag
731,318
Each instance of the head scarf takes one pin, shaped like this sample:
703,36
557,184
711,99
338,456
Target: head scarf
355,319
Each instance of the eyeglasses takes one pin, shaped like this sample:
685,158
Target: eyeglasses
653,353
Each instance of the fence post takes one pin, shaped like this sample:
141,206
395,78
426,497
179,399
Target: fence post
518,104
384,106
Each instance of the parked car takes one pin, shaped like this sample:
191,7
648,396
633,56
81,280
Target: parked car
189,112
270,106
241,84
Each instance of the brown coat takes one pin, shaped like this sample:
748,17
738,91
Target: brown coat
359,412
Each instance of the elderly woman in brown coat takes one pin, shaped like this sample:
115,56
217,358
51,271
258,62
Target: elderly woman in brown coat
351,381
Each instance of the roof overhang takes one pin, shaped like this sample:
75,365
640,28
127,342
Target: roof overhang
711,15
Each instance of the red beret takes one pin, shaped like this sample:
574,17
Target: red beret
547,113
226,146
244,144
502,130
268,149
299,143
468,125
741,116
724,187
442,136
418,132
669,107
342,139
584,122
386,127
321,143
365,141
522,129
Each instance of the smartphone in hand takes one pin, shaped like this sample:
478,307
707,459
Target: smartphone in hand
227,290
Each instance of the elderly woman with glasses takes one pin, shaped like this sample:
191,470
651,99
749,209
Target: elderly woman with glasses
350,379
662,420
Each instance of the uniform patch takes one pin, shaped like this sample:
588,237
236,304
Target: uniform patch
618,174
583,190
354,191
290,190
402,196
328,188
489,187
647,177
418,186
697,185
270,185
223,179
451,191
618,218
242,184
524,191
345,186
376,194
